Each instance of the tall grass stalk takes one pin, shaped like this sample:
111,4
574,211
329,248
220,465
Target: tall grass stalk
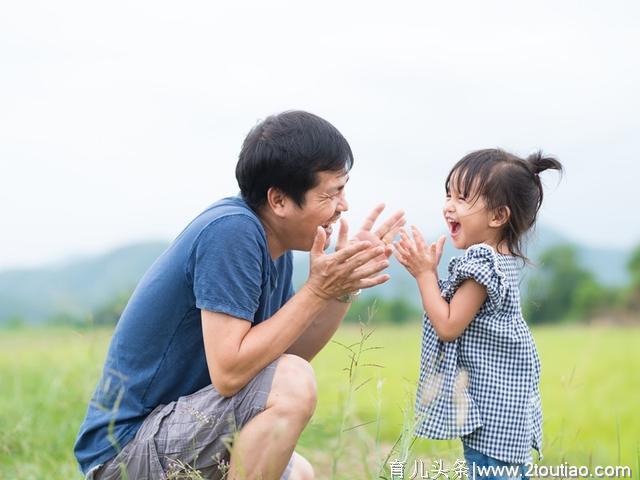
354,352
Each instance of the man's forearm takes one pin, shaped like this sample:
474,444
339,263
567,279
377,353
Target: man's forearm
318,334
240,358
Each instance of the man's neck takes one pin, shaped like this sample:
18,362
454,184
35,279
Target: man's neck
275,245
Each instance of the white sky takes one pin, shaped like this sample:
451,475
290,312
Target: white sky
119,121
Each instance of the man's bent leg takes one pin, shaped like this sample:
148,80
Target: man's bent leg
192,433
299,468
265,444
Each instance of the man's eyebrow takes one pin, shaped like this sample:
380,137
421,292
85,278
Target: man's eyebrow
345,182
339,187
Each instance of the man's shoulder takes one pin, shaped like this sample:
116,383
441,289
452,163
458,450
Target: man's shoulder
229,216
229,207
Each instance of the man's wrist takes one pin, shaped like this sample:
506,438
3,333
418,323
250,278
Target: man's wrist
349,297
314,293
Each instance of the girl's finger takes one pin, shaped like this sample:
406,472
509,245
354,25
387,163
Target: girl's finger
417,236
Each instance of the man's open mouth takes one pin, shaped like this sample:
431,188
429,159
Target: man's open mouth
328,227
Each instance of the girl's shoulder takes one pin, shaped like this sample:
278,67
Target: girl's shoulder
479,256
482,264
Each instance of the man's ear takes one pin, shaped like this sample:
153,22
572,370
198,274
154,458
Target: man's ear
499,217
277,201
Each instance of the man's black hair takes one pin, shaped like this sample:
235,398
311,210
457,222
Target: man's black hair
286,151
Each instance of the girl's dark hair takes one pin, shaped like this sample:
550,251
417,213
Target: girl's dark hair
504,180
286,151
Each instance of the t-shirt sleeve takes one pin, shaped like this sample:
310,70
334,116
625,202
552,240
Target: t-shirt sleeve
289,291
227,264
479,263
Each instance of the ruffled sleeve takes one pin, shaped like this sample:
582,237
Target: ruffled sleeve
479,263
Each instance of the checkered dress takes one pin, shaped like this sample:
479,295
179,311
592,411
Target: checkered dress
483,386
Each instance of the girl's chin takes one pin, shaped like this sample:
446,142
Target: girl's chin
457,243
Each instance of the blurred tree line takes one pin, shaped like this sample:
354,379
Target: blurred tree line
560,289
396,310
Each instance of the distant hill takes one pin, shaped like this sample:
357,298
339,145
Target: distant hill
82,286
74,288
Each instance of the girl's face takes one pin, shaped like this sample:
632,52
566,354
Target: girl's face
468,219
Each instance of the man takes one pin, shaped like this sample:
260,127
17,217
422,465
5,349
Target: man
211,353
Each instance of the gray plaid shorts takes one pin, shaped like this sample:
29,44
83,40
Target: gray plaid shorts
193,433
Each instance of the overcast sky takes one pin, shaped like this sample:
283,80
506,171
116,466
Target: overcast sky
120,121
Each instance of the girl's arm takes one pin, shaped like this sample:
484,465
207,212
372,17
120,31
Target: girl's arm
448,319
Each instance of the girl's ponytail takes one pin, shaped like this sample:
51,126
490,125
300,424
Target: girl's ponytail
539,163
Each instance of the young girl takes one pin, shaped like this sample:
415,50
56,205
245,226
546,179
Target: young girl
479,369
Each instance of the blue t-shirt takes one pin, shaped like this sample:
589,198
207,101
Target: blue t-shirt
221,263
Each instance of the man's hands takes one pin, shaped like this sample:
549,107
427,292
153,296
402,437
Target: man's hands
416,256
344,271
386,233
356,262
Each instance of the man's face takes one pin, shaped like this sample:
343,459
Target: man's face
323,205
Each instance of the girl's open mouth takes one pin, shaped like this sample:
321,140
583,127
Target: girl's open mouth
454,228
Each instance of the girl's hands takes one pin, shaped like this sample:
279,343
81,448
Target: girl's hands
417,256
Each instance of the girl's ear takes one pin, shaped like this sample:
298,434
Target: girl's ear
499,217
277,201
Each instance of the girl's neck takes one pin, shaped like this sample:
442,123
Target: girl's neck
499,247
502,248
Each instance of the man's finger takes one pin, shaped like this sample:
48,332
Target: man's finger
440,245
373,216
350,250
395,228
369,269
388,225
372,282
318,242
364,257
342,235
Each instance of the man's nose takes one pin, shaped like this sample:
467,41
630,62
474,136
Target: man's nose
343,205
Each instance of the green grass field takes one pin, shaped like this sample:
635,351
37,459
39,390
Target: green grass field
590,388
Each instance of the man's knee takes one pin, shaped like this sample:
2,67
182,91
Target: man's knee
294,389
301,468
